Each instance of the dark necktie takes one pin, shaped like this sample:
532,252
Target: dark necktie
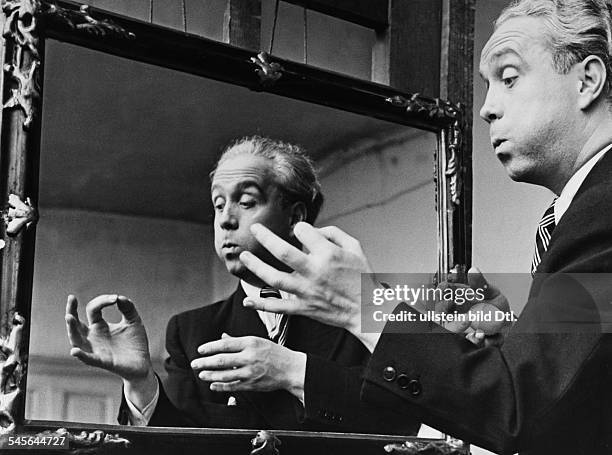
545,230
279,333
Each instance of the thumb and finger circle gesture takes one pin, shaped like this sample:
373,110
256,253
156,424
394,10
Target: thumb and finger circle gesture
121,348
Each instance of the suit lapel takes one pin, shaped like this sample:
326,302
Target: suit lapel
307,335
243,321
578,216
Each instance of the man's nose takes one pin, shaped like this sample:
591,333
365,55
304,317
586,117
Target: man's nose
490,109
228,218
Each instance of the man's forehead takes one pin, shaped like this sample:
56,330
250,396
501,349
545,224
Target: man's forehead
241,170
517,36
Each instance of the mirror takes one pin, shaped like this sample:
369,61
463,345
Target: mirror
125,207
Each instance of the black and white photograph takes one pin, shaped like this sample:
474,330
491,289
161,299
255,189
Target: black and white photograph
279,227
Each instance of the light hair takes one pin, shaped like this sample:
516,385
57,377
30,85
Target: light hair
293,170
575,29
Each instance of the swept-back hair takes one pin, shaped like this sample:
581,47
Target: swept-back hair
575,29
293,170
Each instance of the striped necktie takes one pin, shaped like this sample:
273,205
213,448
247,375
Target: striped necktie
545,230
279,332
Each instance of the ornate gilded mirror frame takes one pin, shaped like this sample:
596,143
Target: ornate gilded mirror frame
26,26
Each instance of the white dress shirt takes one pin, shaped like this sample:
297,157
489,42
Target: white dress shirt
269,319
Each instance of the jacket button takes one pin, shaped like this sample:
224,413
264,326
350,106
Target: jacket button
415,388
403,381
389,374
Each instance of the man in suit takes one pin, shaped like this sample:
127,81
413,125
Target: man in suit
230,366
548,389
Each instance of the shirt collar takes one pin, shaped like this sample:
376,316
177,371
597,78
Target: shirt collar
249,289
253,291
573,184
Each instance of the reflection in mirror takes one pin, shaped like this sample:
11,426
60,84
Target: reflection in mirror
125,202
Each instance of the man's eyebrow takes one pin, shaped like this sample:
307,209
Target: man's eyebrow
249,184
498,54
240,186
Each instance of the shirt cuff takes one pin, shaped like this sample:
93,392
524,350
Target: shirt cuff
138,418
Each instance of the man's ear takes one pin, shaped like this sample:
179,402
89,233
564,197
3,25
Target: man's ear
298,213
593,77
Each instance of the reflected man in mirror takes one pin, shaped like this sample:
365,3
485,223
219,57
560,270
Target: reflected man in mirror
548,388
230,366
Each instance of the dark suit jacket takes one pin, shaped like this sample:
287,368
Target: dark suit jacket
548,389
331,390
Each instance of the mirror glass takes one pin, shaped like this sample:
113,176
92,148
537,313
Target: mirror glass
125,202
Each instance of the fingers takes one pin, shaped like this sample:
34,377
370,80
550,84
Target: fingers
477,337
476,280
311,237
84,357
218,362
73,329
280,249
71,306
224,345
238,374
95,306
268,274
233,386
442,306
127,309
340,238
72,321
457,326
284,306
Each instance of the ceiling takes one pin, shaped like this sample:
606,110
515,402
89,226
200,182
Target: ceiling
130,138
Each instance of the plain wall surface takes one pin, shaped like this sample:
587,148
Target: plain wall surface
382,193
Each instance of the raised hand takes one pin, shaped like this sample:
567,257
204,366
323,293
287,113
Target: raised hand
326,279
121,348
481,331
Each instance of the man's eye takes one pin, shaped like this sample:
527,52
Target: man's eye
509,81
247,203
509,77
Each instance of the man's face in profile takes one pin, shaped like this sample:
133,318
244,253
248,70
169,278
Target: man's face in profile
243,193
530,106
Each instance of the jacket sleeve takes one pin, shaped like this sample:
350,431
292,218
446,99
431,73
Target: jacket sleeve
331,394
540,382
